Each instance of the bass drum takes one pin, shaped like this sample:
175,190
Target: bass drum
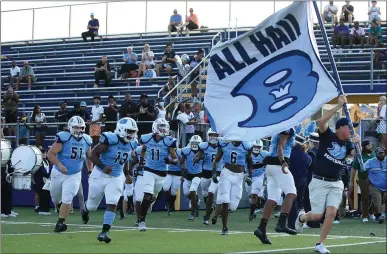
20,182
6,150
26,158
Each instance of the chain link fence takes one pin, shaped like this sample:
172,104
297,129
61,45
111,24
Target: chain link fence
373,130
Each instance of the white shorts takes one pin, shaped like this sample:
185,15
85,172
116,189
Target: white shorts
172,182
138,189
205,186
230,188
256,187
101,184
152,183
189,186
128,191
63,187
278,182
323,194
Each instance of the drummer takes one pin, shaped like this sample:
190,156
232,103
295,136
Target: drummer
42,196
6,191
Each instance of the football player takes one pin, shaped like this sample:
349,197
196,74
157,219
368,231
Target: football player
172,183
235,155
110,157
157,146
191,174
70,150
279,178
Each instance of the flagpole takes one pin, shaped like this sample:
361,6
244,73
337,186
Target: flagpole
337,78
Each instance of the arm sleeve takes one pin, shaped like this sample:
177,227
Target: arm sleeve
58,139
104,140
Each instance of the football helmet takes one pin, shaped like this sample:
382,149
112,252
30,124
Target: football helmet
76,126
257,146
160,127
127,129
194,142
212,136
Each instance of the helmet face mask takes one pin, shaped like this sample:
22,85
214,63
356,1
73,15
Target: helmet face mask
257,149
76,126
77,131
127,129
160,127
213,138
194,142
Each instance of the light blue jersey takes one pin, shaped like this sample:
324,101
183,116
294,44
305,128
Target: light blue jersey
117,154
258,158
175,168
288,146
73,152
209,153
235,155
192,167
157,151
377,172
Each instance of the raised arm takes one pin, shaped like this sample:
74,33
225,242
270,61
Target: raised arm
323,121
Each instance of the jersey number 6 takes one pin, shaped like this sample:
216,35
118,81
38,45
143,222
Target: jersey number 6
234,157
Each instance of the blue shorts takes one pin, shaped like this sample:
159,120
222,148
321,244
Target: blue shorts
23,132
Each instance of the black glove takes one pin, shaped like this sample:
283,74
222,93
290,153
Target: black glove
215,178
141,164
166,160
248,181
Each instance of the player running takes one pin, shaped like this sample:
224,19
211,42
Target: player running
172,183
110,157
138,172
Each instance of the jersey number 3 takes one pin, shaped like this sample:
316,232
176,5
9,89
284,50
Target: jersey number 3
76,153
121,158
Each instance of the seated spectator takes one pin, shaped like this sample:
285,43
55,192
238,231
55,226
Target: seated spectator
168,61
193,78
191,22
377,175
130,59
357,35
11,105
39,118
347,12
102,71
330,13
374,13
62,116
111,114
175,24
93,27
340,35
14,73
375,34
27,74
380,55
146,60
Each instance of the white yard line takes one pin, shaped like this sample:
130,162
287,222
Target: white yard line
307,248
123,228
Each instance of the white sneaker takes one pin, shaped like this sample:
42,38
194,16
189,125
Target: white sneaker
320,248
372,217
299,225
305,226
11,215
72,211
4,215
12,212
44,213
336,222
142,226
365,220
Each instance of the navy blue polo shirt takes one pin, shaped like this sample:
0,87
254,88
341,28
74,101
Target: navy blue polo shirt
94,22
299,163
331,154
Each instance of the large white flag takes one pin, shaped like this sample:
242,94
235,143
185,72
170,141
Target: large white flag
268,79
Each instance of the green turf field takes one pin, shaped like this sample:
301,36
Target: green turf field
31,233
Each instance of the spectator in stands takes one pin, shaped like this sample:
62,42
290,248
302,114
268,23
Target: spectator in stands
39,118
380,55
130,59
85,114
168,62
14,73
184,120
146,60
191,22
27,74
102,71
11,105
377,175
175,24
367,153
169,87
93,27
128,107
39,178
382,119
357,35
340,35
200,128
195,74
145,115
330,13
375,34
23,129
111,114
62,116
374,13
347,12
97,114
159,110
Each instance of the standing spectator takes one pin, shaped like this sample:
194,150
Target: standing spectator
11,105
128,107
169,87
168,62
380,55
38,181
27,74
39,119
175,24
85,114
146,60
185,120
191,22
377,175
102,71
190,128
200,128
111,114
97,114
130,59
374,13
375,34
159,111
93,27
6,191
347,12
14,73
23,130
357,35
340,35
330,13
144,113
62,116
382,126
193,78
